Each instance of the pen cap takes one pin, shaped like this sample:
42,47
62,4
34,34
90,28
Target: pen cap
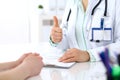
116,71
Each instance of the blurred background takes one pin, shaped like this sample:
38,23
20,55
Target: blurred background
28,21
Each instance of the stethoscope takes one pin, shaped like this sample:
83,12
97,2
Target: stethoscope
101,22
105,12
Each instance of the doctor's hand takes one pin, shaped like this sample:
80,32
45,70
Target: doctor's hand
75,55
56,32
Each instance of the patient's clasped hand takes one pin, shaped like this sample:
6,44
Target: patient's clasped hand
26,66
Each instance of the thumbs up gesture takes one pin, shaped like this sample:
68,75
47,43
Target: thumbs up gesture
56,32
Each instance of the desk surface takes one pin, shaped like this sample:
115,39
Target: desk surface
80,71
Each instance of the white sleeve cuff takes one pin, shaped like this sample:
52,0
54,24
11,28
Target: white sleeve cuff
92,58
94,53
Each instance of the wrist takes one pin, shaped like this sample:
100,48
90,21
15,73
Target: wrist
23,70
87,56
17,62
52,40
52,43
20,72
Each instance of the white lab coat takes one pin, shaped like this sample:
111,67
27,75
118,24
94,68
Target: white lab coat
112,21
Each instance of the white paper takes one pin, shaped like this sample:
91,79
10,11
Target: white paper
53,62
51,56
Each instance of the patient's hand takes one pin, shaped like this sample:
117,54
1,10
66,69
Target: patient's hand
33,63
20,60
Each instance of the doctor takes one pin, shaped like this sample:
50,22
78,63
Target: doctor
88,26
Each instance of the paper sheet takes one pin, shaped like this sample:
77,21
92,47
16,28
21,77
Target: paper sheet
51,56
53,62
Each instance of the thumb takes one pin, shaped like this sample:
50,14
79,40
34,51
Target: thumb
55,21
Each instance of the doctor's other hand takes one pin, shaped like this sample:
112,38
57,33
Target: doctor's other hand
75,55
56,32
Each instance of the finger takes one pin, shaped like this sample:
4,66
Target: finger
65,57
25,55
55,21
58,30
69,60
28,53
36,54
40,57
56,40
56,35
68,54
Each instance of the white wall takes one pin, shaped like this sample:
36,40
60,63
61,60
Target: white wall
19,21
34,19
52,8
40,33
14,22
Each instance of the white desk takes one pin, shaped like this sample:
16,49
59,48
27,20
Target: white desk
80,71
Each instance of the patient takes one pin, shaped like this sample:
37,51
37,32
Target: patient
26,66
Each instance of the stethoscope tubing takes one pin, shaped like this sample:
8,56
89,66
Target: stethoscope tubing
105,12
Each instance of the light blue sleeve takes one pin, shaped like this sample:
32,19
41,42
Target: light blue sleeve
52,43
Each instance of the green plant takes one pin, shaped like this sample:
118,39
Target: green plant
40,6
